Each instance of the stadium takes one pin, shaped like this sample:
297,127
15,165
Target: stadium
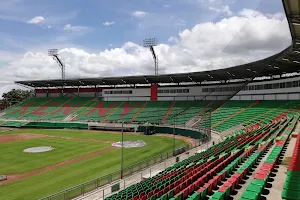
230,133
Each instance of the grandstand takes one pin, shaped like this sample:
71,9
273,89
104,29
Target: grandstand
254,108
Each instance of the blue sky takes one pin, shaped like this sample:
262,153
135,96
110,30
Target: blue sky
104,38
163,19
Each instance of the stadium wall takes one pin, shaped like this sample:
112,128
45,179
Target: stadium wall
282,89
149,130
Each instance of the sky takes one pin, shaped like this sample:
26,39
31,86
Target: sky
99,38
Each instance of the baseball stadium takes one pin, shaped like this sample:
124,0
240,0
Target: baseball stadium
231,133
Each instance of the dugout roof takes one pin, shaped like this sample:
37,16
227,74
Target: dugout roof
287,61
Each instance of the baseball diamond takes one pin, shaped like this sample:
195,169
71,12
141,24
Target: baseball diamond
225,133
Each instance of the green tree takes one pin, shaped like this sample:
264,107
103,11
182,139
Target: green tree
15,96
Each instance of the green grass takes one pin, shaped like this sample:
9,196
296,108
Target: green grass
67,176
12,153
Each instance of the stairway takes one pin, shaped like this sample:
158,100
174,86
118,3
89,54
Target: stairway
234,114
264,114
82,109
59,107
45,103
138,112
168,113
114,110
196,117
69,118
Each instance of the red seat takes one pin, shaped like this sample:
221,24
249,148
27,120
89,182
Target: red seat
177,189
261,176
229,184
222,188
233,180
208,186
143,197
165,190
159,194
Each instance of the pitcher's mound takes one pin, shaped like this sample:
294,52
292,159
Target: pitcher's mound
38,149
130,144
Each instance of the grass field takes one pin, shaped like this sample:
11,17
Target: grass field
15,161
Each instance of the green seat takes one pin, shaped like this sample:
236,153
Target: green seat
171,194
195,196
254,188
293,179
164,197
250,195
292,186
258,182
293,173
218,195
290,195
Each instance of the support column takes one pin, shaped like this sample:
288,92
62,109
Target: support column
154,88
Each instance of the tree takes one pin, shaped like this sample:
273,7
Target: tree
15,96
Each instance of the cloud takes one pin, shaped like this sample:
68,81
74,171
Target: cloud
206,46
108,23
226,10
167,6
139,14
36,20
173,39
69,27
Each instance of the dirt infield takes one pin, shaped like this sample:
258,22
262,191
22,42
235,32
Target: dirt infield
18,137
80,139
27,136
188,140
16,177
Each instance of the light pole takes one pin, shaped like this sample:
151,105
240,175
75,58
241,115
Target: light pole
54,53
150,43
174,132
122,151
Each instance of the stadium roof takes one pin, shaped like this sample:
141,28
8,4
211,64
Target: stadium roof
287,61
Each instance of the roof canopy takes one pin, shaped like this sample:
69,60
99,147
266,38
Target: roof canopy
287,61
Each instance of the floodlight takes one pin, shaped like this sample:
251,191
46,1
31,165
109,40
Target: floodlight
151,42
53,52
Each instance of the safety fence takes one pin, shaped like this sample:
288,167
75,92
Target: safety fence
115,177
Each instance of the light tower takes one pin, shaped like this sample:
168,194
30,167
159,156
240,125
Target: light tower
54,53
150,43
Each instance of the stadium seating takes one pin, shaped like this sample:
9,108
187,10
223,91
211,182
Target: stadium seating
291,188
86,109
218,171
213,174
257,112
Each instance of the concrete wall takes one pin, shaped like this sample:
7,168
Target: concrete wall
196,93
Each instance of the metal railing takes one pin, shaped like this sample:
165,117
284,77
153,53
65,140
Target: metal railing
109,179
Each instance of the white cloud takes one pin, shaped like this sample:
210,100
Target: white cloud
167,6
36,20
226,10
69,27
173,39
139,14
108,23
246,37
